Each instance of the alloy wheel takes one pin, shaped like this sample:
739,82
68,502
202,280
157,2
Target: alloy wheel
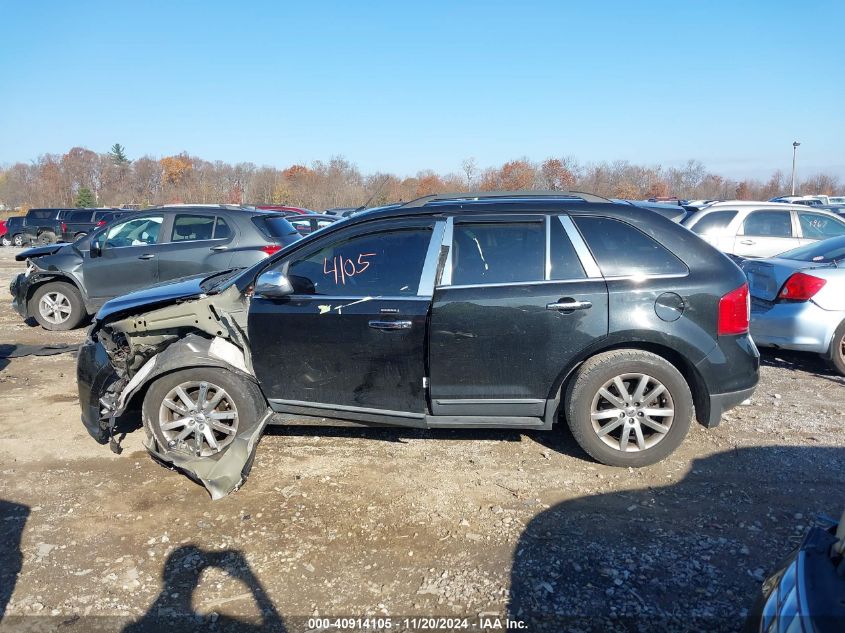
18,240
199,418
632,412
54,307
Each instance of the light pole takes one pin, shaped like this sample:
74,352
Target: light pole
795,145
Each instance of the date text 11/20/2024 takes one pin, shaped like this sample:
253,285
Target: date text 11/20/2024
416,623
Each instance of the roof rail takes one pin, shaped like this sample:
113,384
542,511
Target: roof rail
492,195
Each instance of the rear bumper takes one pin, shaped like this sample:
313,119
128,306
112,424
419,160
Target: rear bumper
730,373
801,326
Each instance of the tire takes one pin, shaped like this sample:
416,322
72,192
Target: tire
646,444
46,238
17,240
67,301
6,240
241,408
836,353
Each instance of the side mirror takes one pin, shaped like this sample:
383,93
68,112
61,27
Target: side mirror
273,285
94,249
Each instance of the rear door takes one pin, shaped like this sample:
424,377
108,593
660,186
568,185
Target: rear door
196,243
352,336
765,233
818,226
128,258
515,304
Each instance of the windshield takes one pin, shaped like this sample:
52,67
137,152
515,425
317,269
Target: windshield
826,252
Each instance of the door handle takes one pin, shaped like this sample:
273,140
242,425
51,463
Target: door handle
146,256
568,305
391,325
219,248
748,242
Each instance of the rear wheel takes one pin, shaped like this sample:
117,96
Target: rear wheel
628,408
57,306
46,238
17,240
836,353
199,411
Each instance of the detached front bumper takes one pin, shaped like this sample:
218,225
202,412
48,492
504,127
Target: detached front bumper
801,326
94,375
19,288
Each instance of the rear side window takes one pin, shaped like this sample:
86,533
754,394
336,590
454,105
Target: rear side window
221,229
815,226
274,226
621,250
563,258
713,222
490,253
192,228
768,224
41,214
79,216
105,216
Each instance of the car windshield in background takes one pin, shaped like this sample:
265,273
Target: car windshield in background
827,252
275,226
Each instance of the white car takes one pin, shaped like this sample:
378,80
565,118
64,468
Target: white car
762,229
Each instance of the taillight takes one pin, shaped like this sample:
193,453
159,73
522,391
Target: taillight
734,312
801,287
271,249
64,227
101,223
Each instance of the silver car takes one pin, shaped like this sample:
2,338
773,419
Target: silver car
798,300
762,229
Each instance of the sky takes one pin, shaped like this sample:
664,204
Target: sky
404,86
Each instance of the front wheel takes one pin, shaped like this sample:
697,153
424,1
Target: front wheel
46,238
18,240
6,240
199,411
628,408
57,306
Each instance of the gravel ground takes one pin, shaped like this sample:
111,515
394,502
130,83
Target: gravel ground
371,523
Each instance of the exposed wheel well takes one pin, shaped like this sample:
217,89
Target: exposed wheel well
687,369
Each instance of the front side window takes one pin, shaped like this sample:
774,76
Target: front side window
135,232
498,252
815,226
382,264
713,222
190,228
768,224
622,250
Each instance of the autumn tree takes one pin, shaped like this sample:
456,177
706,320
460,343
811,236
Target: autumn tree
176,169
555,175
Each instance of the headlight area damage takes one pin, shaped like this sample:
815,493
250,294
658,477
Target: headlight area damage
126,352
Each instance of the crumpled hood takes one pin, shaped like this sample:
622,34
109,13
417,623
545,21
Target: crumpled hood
40,251
154,296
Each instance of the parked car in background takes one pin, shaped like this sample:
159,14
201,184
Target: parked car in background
81,222
44,226
806,593
667,210
341,211
14,231
798,300
838,209
310,222
810,201
2,229
762,229
471,310
64,283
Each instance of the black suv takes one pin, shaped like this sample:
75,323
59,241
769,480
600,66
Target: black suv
14,231
512,310
65,282
80,222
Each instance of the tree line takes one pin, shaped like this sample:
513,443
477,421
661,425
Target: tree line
82,177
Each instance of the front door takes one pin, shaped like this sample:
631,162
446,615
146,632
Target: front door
515,304
352,336
127,259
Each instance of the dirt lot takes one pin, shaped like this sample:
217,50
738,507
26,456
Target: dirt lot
376,522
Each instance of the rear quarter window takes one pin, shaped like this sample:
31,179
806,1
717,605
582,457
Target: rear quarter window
274,226
622,250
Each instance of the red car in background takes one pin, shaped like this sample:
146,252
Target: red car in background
282,209
2,228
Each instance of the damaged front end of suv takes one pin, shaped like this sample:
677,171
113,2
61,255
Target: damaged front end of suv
209,423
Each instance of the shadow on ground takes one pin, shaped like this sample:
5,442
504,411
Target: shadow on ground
13,518
687,556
